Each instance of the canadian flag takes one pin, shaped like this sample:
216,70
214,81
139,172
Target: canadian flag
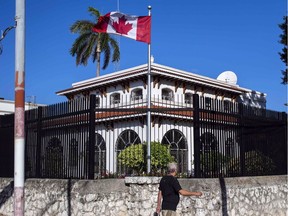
135,27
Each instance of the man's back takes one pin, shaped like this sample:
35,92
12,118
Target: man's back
169,190
169,186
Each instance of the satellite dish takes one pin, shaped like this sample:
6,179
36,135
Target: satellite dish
228,77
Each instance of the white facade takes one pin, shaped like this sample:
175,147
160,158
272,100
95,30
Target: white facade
170,87
8,106
180,82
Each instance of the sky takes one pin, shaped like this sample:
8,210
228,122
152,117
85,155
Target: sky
205,37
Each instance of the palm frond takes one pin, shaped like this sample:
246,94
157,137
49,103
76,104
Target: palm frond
94,12
86,45
78,43
82,26
83,47
104,40
116,49
107,52
105,48
79,56
90,47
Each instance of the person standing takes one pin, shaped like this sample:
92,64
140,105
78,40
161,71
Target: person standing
169,190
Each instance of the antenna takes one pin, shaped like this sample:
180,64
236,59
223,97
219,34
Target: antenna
31,100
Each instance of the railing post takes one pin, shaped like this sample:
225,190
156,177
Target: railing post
38,143
196,128
241,140
91,137
284,139
284,117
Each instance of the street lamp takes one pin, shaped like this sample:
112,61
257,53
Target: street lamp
3,36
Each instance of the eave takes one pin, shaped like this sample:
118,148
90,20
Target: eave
156,70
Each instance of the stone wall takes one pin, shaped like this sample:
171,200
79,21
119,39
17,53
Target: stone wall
137,196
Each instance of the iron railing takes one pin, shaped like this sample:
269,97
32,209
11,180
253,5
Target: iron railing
88,139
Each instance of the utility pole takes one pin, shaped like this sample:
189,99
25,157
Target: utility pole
19,128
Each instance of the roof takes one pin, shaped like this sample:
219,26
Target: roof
156,70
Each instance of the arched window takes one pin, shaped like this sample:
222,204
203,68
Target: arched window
136,94
54,159
100,155
115,98
208,142
177,142
126,138
167,94
188,98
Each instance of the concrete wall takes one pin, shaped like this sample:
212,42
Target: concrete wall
137,196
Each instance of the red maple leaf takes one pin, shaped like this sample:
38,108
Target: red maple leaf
122,27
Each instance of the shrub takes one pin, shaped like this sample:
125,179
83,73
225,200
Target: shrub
135,156
211,162
160,156
256,163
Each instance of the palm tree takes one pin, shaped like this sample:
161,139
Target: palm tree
93,44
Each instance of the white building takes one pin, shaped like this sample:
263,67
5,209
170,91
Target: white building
8,106
170,87
177,82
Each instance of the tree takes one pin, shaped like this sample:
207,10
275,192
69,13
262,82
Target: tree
134,157
283,55
92,44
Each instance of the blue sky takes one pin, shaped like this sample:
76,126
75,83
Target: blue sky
205,37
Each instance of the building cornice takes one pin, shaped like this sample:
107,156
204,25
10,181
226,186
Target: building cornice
156,70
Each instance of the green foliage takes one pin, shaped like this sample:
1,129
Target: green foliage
256,163
212,160
135,156
160,156
92,44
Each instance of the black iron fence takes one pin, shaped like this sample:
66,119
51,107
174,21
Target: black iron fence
86,139
233,139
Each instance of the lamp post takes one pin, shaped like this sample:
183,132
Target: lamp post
4,34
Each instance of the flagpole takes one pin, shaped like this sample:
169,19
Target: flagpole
149,104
